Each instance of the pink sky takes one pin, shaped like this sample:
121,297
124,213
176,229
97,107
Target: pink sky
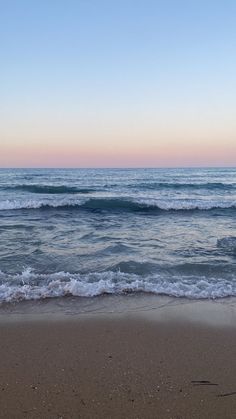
75,156
143,138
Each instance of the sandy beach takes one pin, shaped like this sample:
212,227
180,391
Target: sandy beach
132,364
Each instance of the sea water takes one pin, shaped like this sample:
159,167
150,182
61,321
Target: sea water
86,232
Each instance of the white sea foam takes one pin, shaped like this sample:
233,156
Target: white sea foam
31,286
15,204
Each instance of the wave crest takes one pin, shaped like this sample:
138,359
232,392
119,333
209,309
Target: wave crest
31,286
118,204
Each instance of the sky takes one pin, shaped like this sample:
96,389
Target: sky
117,83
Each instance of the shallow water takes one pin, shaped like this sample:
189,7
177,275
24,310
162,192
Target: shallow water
92,231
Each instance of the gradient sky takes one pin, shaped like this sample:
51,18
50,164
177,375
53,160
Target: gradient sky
117,83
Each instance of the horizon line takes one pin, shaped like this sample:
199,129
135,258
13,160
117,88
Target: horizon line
115,167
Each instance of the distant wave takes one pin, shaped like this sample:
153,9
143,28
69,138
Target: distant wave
32,286
49,189
118,204
174,185
155,186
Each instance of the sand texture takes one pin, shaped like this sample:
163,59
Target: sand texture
116,368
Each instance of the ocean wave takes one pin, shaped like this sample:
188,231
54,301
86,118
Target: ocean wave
17,204
177,186
49,189
142,186
31,286
118,204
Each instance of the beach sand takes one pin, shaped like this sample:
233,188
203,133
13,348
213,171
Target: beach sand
134,364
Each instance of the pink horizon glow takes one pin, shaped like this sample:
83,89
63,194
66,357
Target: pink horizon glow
24,157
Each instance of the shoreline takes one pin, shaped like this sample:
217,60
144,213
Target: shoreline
141,357
220,312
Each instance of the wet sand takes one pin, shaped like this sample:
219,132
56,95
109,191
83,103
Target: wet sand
116,366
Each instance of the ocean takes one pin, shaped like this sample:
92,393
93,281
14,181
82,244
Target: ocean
87,232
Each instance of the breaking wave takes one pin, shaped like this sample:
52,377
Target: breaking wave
118,204
31,286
